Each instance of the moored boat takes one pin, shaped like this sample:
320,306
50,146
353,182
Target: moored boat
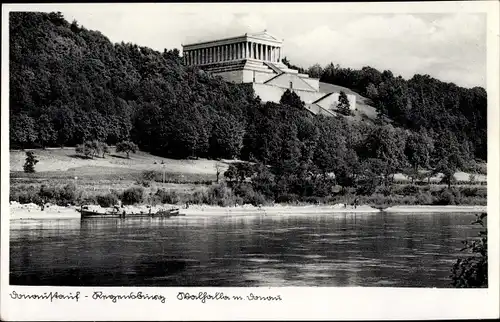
119,213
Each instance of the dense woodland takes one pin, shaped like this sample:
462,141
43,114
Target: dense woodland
69,84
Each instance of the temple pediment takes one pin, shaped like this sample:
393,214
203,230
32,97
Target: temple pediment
264,35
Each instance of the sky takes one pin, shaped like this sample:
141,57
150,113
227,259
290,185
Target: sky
450,46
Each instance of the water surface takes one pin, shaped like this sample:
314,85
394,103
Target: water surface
372,249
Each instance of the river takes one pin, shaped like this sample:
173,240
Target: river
372,249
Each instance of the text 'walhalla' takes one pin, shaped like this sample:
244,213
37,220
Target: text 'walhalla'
220,296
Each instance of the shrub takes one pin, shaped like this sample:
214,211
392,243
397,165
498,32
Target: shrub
168,196
287,198
425,198
367,187
249,196
199,197
472,271
448,196
221,195
150,175
107,200
410,190
48,194
25,194
133,195
67,195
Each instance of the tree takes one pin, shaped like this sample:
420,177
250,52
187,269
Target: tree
315,71
88,149
218,169
22,130
127,147
290,98
418,151
447,157
226,139
103,148
372,92
31,160
472,271
343,105
46,132
386,144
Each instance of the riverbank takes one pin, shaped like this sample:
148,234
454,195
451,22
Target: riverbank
33,211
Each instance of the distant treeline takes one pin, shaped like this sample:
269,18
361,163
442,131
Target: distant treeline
69,85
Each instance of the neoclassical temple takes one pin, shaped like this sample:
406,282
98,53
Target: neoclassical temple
257,59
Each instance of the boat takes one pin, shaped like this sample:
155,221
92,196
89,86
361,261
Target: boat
117,213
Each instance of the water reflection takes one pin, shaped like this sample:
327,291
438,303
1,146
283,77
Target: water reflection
265,250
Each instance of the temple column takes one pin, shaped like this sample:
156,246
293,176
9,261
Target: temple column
246,50
261,51
240,45
264,52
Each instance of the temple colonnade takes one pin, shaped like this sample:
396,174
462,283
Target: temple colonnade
234,51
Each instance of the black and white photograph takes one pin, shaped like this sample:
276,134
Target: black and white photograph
256,146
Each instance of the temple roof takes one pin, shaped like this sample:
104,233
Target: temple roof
263,35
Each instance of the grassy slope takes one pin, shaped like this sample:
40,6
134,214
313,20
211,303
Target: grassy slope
57,167
66,161
65,164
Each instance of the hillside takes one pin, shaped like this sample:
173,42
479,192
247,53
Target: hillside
364,109
69,85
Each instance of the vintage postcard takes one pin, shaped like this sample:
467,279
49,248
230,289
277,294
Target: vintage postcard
230,161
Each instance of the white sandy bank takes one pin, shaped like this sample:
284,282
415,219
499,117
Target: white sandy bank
275,210
453,208
32,211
